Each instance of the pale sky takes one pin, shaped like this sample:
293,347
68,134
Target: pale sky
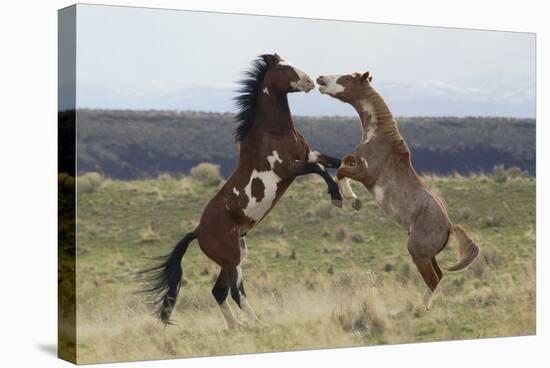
166,59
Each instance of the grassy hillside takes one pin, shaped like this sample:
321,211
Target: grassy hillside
320,276
144,144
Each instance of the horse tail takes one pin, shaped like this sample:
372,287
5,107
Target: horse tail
164,280
467,250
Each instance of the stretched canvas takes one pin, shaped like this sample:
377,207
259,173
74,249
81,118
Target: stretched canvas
234,184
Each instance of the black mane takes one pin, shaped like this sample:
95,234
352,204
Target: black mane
247,100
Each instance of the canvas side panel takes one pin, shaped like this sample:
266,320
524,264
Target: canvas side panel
66,133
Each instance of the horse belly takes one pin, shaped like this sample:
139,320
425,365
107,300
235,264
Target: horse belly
389,203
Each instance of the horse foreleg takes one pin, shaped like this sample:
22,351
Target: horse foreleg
348,193
305,168
358,171
349,160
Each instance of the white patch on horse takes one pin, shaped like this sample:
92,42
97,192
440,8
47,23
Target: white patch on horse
379,194
368,107
248,310
312,156
332,87
235,191
239,275
266,91
304,82
365,162
255,210
244,250
228,316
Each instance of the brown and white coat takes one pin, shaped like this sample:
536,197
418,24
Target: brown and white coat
382,162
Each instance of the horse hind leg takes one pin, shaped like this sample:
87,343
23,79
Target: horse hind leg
425,266
426,269
437,269
239,295
245,305
220,292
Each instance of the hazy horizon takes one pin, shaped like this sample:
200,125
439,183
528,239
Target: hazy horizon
155,59
297,115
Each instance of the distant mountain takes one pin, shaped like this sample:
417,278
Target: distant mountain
129,144
427,98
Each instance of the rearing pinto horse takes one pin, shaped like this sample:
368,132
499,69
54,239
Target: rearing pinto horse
382,162
272,154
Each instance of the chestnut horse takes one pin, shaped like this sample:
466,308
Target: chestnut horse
272,154
382,162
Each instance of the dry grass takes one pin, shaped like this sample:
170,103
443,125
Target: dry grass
338,310
345,281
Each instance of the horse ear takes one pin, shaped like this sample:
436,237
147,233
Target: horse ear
270,59
366,76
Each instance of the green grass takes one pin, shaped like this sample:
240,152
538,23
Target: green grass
351,283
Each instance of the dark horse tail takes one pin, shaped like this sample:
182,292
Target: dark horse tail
164,280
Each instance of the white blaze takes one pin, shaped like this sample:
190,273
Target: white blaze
235,191
304,82
332,87
255,210
266,91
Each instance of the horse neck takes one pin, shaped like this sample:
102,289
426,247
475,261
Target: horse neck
374,114
380,110
273,114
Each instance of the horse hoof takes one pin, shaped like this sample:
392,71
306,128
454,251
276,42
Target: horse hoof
337,203
356,204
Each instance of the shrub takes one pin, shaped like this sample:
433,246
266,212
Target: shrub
516,172
292,255
164,177
148,235
357,238
275,228
405,270
324,211
465,213
492,221
479,267
207,174
500,174
341,233
89,182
